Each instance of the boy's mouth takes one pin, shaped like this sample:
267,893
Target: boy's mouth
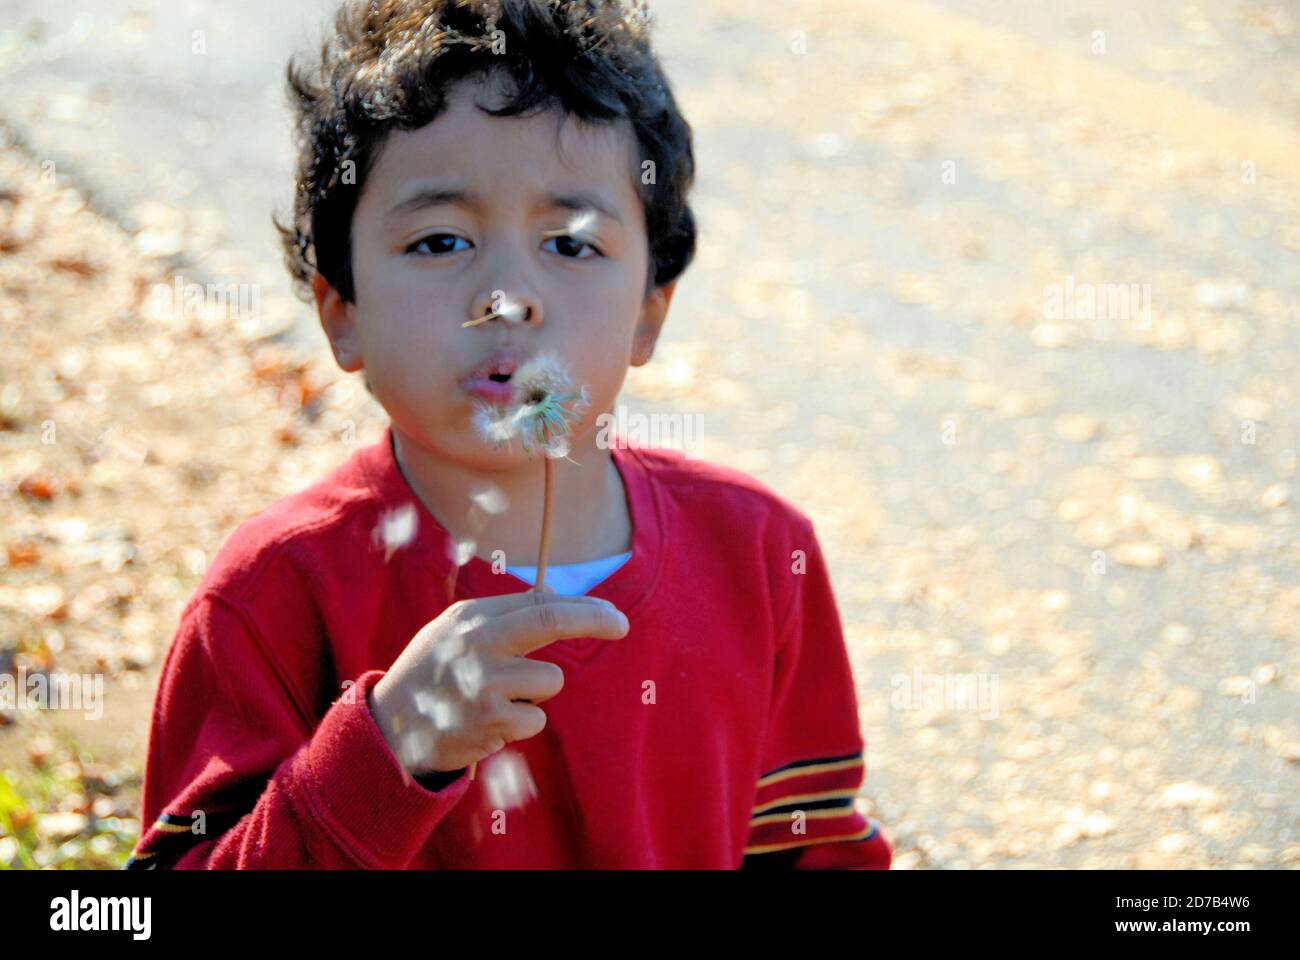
499,367
490,380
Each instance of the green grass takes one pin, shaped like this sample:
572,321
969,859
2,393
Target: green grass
36,831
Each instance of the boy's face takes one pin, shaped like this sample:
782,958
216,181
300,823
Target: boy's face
421,269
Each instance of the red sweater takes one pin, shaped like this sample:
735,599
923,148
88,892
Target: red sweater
722,726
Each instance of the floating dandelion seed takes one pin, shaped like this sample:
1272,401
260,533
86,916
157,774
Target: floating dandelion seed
508,309
414,746
512,311
442,712
449,648
396,529
445,716
495,424
579,227
508,780
461,551
468,673
487,501
490,500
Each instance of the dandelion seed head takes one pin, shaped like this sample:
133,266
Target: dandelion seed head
542,374
543,404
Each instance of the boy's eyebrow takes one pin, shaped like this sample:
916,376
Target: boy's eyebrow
583,201
435,196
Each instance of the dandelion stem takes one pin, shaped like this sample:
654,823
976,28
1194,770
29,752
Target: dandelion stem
545,545
483,319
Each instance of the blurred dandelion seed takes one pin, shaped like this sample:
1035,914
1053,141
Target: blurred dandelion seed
495,424
508,780
490,500
579,227
512,311
447,650
461,551
445,716
508,309
396,529
415,745
468,673
440,711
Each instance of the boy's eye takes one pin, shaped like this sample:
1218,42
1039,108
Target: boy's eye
572,243
437,245
435,242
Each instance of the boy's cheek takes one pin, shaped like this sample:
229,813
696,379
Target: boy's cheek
414,340
602,391
408,376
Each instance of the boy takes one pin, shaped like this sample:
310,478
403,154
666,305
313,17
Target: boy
324,702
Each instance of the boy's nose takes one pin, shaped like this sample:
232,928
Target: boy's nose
505,307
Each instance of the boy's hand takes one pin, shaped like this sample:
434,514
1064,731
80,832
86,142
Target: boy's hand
462,689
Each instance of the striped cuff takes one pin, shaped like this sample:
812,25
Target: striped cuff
173,833
809,801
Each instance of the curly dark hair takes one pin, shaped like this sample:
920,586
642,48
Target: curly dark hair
390,64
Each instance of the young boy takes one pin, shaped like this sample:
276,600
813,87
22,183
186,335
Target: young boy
482,184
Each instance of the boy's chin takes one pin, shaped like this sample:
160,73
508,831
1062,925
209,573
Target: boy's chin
485,455
463,443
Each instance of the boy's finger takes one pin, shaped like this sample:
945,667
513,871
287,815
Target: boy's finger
533,681
545,621
506,602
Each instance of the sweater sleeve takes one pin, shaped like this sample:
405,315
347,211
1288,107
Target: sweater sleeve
240,775
814,754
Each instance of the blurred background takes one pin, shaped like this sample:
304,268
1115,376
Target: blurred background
1005,296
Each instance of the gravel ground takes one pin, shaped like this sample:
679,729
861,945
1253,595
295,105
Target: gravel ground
1088,515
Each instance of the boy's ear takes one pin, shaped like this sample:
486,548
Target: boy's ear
339,321
653,313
